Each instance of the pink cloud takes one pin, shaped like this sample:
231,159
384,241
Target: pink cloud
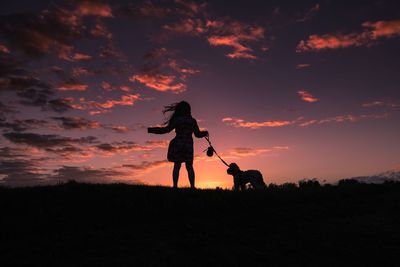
240,123
382,103
372,31
306,96
344,118
72,86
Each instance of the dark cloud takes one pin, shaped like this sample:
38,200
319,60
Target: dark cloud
18,170
162,71
146,165
76,123
60,105
86,174
145,10
128,146
22,125
44,141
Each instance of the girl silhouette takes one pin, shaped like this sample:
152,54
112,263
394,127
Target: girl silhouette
180,148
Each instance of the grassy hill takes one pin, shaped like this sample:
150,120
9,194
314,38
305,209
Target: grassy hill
66,225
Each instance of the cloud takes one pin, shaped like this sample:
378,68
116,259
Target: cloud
307,96
144,10
332,41
192,8
72,86
371,32
159,82
235,35
44,141
20,172
386,29
128,146
94,8
162,71
125,100
310,13
61,105
4,49
81,71
344,118
118,128
31,90
243,152
77,123
303,66
387,103
189,26
86,174
240,123
22,125
146,166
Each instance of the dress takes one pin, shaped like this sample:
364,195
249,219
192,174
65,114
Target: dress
180,148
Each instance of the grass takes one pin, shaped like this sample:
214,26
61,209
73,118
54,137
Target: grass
86,224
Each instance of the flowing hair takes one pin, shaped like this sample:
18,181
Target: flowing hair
178,109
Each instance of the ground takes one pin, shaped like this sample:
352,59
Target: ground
82,224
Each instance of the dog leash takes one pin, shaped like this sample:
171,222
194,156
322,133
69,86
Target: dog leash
211,150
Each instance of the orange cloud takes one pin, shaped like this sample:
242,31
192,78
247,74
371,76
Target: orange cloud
386,29
372,31
72,86
126,100
306,96
162,71
331,41
159,82
234,35
240,123
94,8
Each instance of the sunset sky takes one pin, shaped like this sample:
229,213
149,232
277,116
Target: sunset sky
295,89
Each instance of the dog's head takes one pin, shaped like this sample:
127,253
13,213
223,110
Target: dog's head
233,169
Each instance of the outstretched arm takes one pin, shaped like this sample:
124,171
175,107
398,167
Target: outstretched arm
160,130
198,133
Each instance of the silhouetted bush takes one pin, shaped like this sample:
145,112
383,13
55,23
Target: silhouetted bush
349,182
288,186
305,183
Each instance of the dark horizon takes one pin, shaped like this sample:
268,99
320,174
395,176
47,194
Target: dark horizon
296,90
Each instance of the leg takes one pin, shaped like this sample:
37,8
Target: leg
190,170
175,173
